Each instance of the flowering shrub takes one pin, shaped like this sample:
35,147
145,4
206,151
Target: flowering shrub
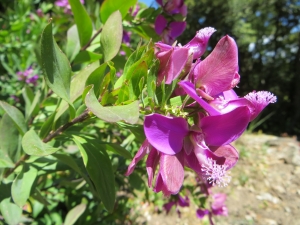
110,95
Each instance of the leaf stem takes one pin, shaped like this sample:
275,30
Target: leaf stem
52,135
90,41
78,119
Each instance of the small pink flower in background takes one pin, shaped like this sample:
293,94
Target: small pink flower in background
173,6
218,208
168,31
27,77
65,4
179,201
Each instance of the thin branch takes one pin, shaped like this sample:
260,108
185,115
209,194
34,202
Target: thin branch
91,40
11,170
52,135
61,129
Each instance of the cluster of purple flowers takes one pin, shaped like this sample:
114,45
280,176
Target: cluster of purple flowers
27,76
199,136
166,26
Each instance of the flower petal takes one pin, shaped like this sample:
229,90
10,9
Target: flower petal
223,129
199,43
176,28
172,171
227,151
218,71
151,164
189,88
201,213
160,24
144,149
259,101
166,134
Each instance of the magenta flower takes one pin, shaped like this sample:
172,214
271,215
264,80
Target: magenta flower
173,6
176,61
65,4
218,72
27,77
199,43
178,202
218,208
168,146
173,62
168,31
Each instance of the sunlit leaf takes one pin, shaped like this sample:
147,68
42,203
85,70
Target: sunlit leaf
100,170
22,185
9,141
110,6
74,214
111,36
55,65
83,21
73,43
33,145
10,212
128,113
77,87
16,116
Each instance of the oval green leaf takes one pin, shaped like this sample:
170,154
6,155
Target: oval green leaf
10,211
128,113
99,168
74,214
111,36
55,65
33,145
83,22
22,185
110,6
16,116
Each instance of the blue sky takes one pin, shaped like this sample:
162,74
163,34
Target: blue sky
148,2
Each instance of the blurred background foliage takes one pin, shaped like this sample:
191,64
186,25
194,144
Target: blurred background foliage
268,39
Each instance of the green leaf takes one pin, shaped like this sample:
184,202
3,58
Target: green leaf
73,45
128,113
55,65
10,211
68,160
136,129
16,116
110,6
118,150
9,136
77,87
83,22
86,56
111,36
96,78
22,185
74,214
33,145
47,126
100,170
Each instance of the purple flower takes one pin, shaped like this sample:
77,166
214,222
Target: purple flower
65,4
168,31
168,146
126,37
176,61
26,76
179,201
199,43
173,6
218,72
218,208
